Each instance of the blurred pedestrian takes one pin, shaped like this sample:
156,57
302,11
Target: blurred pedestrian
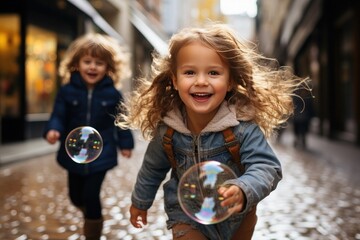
93,66
280,132
210,88
303,114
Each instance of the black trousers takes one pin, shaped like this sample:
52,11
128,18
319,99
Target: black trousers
84,192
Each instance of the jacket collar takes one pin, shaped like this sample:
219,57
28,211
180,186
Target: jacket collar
224,118
76,79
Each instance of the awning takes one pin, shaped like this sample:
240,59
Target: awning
141,23
87,8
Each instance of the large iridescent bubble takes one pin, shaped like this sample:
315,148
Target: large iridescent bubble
84,144
198,192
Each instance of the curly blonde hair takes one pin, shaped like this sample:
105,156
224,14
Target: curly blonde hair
101,46
261,90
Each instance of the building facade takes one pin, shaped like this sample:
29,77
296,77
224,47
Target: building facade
319,39
34,35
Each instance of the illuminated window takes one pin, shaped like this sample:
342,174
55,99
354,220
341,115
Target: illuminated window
9,67
40,70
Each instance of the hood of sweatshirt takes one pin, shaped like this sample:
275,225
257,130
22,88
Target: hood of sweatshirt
224,118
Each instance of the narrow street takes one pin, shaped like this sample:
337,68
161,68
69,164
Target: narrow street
317,199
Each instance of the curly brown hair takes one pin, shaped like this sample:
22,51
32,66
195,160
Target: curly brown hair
261,90
98,45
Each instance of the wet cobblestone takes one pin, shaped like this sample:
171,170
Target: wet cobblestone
313,201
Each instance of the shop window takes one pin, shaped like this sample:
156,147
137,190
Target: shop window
40,70
9,67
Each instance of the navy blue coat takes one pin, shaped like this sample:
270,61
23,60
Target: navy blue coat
75,107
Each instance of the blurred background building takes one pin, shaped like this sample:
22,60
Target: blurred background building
317,38
34,35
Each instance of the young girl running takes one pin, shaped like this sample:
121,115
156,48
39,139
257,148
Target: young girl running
91,69
210,81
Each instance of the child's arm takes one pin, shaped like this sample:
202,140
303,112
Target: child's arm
137,215
124,137
263,168
153,171
55,125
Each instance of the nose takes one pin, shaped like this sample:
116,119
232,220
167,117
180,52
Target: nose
201,79
92,65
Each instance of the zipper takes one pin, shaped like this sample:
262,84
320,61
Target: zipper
196,144
88,112
88,117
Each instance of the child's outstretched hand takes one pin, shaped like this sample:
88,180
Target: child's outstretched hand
233,197
52,136
126,153
137,215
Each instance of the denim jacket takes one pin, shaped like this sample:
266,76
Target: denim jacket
262,168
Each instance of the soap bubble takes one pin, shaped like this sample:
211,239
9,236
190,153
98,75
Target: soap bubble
198,192
84,144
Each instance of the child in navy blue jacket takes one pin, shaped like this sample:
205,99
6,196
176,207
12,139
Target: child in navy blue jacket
91,69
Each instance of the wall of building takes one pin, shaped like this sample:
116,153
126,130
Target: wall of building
320,39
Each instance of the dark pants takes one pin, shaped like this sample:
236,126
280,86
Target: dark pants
84,193
301,129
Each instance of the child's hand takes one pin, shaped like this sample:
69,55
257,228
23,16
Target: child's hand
52,136
137,215
233,197
126,153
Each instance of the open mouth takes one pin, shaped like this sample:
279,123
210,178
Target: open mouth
201,96
92,75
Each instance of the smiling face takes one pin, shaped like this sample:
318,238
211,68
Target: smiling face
92,69
202,80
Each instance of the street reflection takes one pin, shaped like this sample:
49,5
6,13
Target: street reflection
313,201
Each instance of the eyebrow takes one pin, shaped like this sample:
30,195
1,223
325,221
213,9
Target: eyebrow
193,65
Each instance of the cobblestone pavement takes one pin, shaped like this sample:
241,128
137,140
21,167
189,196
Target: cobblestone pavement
313,201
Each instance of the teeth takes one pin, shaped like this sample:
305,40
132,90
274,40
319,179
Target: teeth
201,94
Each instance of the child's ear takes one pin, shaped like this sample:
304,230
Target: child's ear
173,79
